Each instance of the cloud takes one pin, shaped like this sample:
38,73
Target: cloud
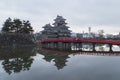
77,12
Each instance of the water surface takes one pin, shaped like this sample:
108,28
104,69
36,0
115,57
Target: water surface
29,63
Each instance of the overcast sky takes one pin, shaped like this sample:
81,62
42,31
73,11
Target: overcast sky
80,14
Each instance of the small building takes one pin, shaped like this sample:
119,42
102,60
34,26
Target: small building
109,36
79,35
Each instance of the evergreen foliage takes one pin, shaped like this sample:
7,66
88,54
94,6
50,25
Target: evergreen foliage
17,26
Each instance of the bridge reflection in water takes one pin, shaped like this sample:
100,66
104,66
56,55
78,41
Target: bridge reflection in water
98,53
60,58
16,60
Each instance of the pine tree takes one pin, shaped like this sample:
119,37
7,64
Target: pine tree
7,26
26,27
17,26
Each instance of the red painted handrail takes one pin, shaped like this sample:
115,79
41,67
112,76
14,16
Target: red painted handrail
70,40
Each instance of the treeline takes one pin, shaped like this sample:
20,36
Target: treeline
17,26
16,32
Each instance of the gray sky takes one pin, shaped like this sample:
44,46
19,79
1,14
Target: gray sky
80,14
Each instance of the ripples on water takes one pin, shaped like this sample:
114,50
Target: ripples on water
30,63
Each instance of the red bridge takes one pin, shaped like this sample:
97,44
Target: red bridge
65,44
75,40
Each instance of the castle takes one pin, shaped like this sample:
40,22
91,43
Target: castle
58,30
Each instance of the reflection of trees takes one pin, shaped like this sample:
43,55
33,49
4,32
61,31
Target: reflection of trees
17,59
59,59
17,64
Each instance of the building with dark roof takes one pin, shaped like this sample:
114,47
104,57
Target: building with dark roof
58,30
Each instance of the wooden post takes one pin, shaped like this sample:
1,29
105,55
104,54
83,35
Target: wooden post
80,46
94,47
110,48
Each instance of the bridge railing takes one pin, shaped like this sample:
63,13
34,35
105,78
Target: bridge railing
83,40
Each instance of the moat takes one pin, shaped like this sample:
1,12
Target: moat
31,63
59,40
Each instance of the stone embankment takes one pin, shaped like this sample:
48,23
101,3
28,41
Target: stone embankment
14,39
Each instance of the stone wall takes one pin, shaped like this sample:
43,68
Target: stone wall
12,39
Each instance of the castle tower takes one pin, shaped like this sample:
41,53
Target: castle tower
48,32
60,28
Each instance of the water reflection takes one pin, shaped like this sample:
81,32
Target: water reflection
15,60
59,59
98,47
35,64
